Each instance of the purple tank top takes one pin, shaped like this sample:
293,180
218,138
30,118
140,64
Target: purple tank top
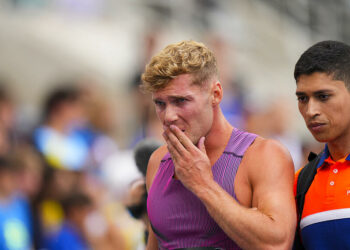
178,217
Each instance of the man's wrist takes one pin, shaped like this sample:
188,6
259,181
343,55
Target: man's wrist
204,192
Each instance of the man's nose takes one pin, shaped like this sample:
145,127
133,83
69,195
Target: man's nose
312,108
170,115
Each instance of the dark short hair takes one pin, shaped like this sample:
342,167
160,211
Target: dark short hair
142,153
9,163
330,57
58,96
5,164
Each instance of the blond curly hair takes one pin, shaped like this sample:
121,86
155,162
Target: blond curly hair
186,57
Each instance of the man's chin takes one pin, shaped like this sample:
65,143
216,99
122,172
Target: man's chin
321,138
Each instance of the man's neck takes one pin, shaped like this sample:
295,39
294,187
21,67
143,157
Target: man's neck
339,149
218,137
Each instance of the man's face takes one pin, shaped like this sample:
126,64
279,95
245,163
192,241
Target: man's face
324,103
71,113
185,105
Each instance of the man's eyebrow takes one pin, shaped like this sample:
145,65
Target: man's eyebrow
156,99
321,91
173,97
179,96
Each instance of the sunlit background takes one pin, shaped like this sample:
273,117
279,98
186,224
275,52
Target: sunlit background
101,47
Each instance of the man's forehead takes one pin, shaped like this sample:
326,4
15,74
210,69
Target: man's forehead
177,90
318,80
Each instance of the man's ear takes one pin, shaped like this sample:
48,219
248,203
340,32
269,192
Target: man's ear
217,93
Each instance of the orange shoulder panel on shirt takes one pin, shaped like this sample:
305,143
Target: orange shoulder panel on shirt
329,190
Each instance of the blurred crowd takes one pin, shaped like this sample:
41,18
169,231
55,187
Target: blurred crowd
68,182
55,191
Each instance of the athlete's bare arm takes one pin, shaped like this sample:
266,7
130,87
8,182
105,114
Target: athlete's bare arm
268,222
152,243
153,165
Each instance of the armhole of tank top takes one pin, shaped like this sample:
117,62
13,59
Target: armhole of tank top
251,139
162,161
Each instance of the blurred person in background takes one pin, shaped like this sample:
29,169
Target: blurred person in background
31,169
323,90
70,234
15,214
64,150
30,176
57,184
83,227
211,185
136,201
58,138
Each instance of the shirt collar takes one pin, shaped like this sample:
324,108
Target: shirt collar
326,157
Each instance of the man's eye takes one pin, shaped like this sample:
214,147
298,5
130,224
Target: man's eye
323,97
302,99
159,103
180,100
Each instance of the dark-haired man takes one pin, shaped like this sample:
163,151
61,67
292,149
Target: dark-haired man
322,76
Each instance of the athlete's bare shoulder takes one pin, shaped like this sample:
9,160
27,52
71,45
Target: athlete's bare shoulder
267,156
153,164
264,144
